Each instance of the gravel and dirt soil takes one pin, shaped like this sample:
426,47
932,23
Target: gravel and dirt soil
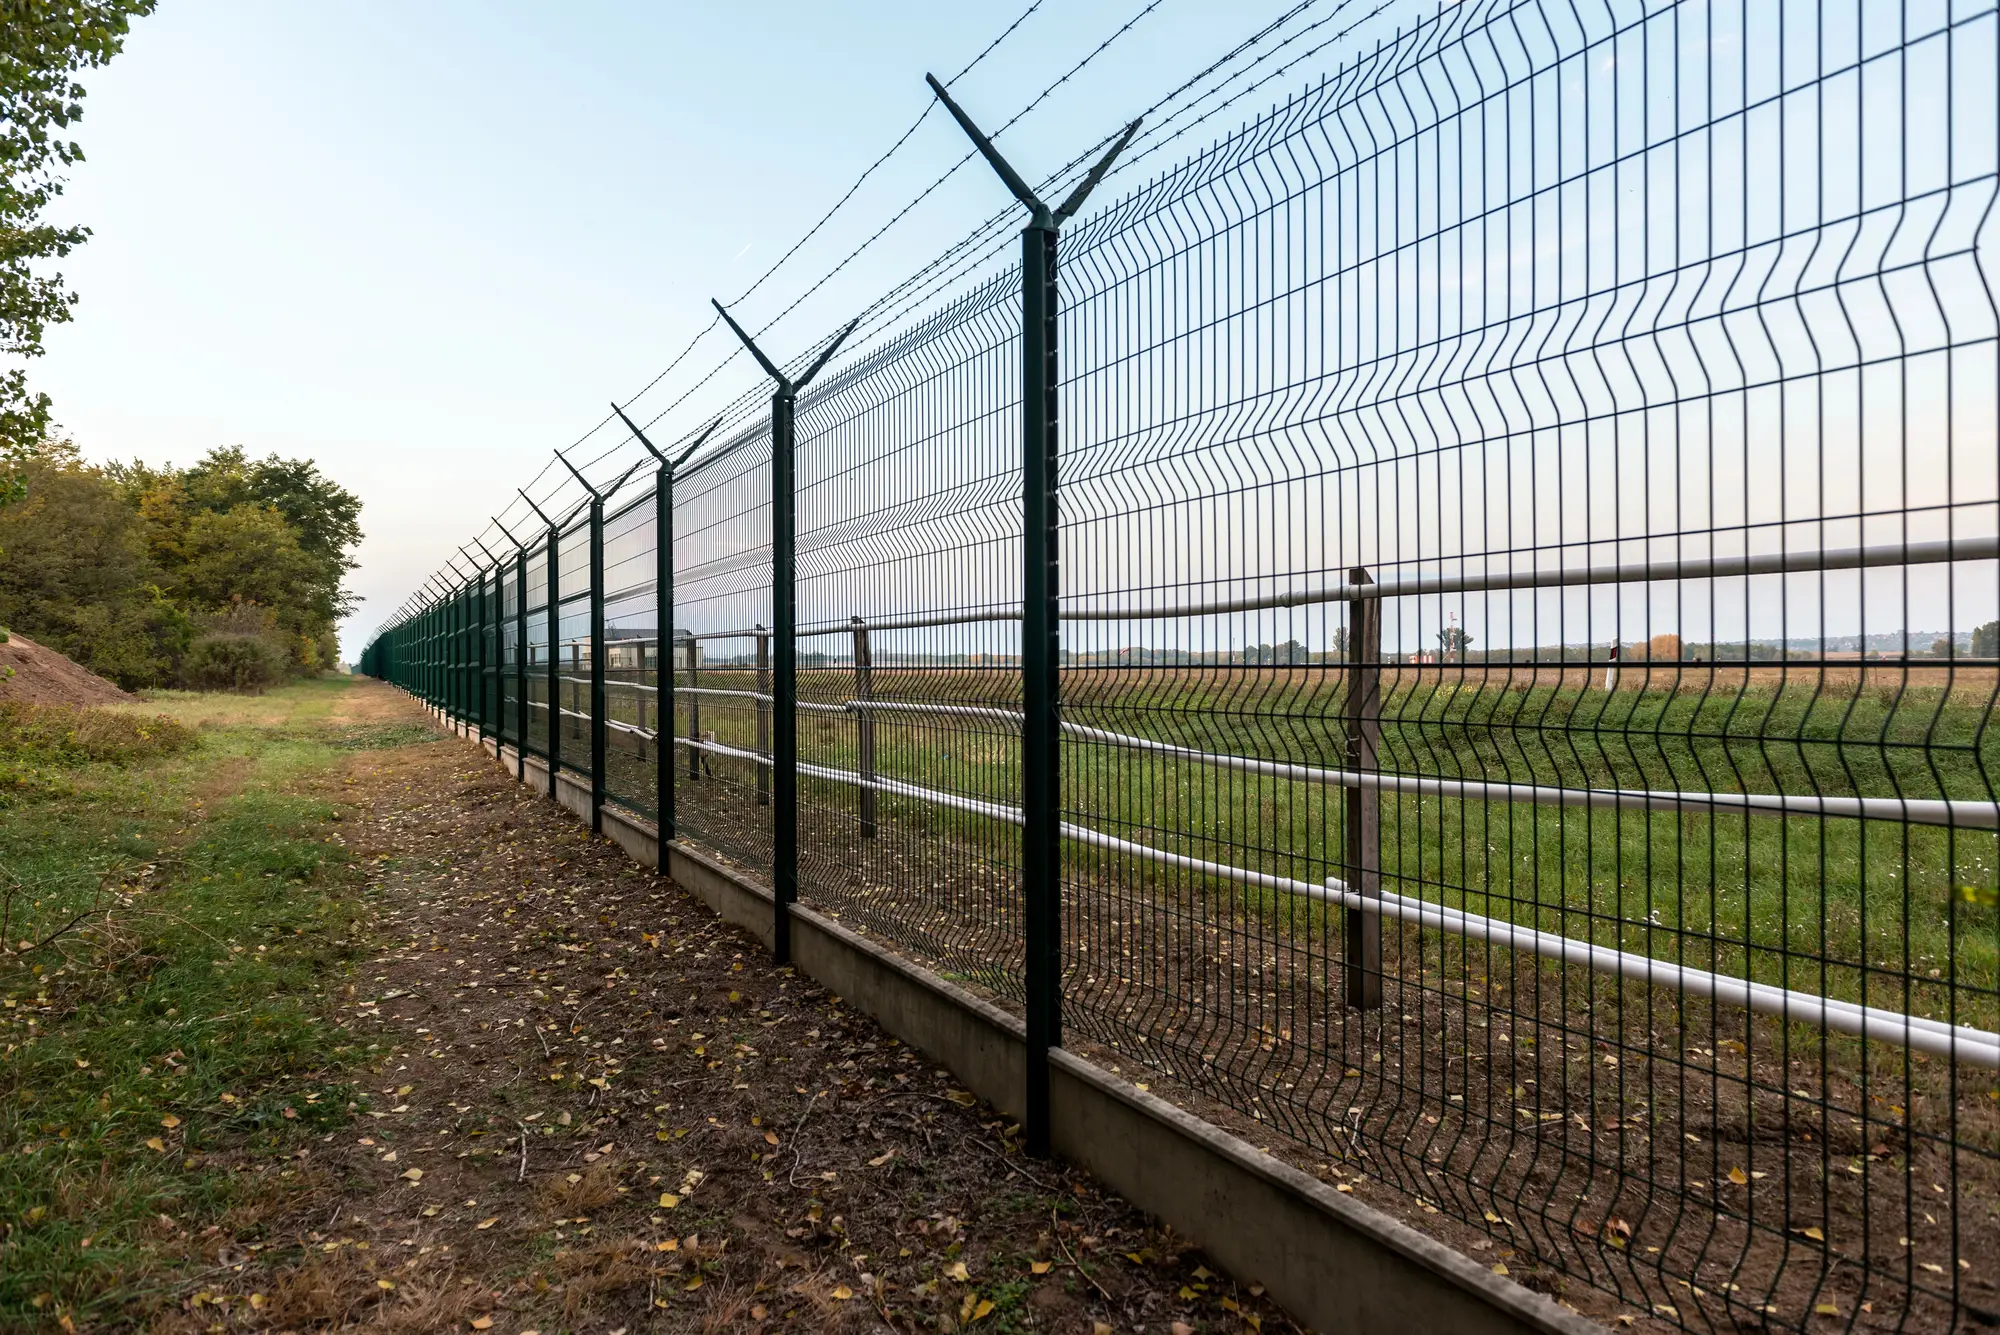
37,675
591,1106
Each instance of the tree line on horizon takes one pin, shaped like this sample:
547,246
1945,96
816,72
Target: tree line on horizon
227,574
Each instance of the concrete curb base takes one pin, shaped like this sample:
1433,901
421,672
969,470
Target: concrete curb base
1335,1263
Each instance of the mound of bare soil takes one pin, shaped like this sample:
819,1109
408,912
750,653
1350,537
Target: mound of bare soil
39,676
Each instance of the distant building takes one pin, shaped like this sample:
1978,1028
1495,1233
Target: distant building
636,649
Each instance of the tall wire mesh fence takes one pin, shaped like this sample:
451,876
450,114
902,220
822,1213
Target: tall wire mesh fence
1530,629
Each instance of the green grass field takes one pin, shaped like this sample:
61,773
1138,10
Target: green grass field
1897,916
176,1024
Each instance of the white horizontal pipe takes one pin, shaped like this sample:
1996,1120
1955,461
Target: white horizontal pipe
1975,1046
1979,1047
1399,586
1631,572
1914,811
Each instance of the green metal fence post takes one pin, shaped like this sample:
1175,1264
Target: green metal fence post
785,695
441,652
551,587
483,650
663,597
454,651
520,663
475,656
784,634
663,651
454,709
462,614
599,729
481,623
423,646
519,720
1041,630
490,721
553,668
599,734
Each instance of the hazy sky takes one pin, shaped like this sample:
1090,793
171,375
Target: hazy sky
425,244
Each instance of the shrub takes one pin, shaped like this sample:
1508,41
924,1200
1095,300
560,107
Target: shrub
232,662
65,734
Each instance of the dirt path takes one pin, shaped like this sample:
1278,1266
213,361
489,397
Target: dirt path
593,1107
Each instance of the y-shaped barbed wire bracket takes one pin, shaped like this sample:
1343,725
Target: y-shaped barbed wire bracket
1041,649
784,630
539,512
1043,219
663,648
671,465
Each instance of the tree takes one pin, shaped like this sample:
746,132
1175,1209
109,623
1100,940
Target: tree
77,576
1664,648
245,555
125,570
1340,639
44,44
1454,641
1986,641
1941,647
203,529
325,515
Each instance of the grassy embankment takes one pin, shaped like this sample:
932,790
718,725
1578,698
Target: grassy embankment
178,905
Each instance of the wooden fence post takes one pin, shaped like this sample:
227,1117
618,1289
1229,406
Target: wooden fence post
864,726
1362,956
